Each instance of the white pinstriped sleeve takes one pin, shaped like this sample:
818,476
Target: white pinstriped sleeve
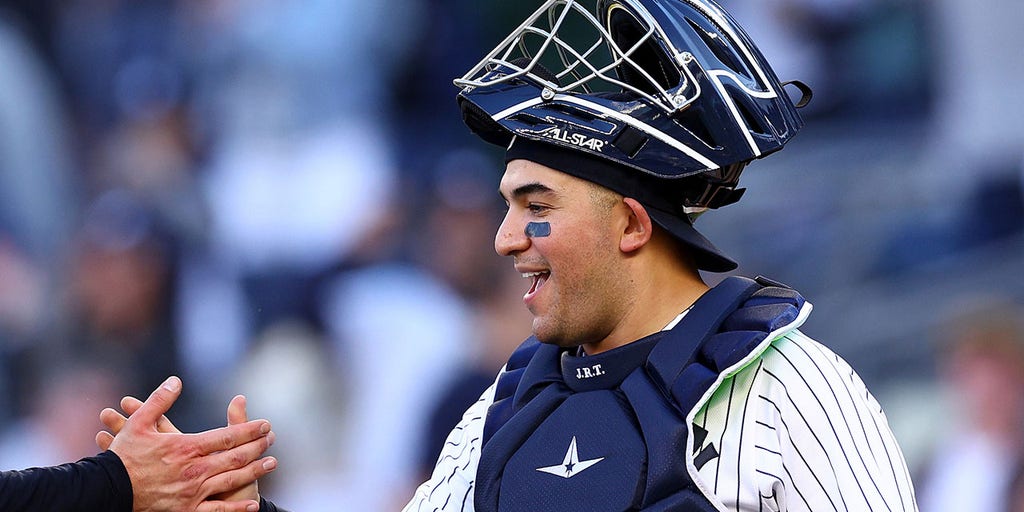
450,487
796,431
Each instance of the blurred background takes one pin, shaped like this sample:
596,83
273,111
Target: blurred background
278,198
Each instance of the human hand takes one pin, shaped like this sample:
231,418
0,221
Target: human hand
171,471
236,415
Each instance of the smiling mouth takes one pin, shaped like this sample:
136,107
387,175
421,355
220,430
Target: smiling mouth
539,278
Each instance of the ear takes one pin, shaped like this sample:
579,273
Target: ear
638,227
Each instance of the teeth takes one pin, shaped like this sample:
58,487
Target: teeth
538,281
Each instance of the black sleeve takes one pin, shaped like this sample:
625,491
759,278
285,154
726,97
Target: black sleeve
97,483
268,506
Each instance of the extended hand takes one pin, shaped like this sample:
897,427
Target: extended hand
236,416
171,471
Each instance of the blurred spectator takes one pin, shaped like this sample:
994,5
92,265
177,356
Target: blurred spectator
279,68
462,210
287,102
23,310
38,198
155,158
38,207
982,367
63,418
448,39
299,203
120,296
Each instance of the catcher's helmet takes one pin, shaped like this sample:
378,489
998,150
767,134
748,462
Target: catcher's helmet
672,90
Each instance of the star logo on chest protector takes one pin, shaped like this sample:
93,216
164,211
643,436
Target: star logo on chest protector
571,465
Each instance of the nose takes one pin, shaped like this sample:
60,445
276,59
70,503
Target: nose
510,238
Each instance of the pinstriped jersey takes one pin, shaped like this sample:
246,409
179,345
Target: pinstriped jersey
792,429
797,430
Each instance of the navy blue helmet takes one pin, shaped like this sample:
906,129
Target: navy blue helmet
670,88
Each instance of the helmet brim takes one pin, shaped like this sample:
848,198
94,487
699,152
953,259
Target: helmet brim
705,254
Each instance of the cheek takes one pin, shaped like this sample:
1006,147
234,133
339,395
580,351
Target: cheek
579,255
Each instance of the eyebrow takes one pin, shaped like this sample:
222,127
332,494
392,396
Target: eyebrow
528,188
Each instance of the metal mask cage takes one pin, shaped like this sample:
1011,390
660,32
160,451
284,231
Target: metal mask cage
583,56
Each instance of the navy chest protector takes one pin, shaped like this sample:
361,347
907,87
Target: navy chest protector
608,432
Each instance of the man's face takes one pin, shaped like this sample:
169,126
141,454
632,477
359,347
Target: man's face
570,257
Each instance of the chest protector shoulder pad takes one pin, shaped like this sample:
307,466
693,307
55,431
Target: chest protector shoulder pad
608,432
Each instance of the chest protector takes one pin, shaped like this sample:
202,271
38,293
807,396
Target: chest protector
608,432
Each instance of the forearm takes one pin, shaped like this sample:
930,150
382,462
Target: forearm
93,483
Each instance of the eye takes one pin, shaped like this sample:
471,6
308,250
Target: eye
536,209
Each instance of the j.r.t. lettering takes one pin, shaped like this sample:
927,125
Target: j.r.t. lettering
587,372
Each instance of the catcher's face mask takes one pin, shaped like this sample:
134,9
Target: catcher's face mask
669,87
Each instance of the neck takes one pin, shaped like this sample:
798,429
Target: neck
661,289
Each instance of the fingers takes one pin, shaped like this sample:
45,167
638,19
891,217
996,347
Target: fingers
236,411
232,436
158,403
236,478
130,404
248,489
113,420
103,439
241,456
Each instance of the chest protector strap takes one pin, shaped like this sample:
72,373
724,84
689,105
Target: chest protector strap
638,422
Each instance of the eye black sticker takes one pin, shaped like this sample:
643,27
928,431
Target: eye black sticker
537,229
